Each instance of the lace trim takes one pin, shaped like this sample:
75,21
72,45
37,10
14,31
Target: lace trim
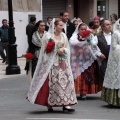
39,79
112,75
61,86
81,59
45,62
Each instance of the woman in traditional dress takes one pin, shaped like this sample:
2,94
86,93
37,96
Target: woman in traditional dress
38,33
111,84
84,64
35,46
53,83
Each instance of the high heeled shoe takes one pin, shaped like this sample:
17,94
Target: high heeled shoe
83,97
68,110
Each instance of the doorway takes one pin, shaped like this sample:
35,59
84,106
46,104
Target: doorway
76,8
102,8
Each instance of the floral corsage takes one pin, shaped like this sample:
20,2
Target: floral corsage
50,46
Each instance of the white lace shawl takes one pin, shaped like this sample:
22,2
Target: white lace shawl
80,65
43,67
112,75
37,40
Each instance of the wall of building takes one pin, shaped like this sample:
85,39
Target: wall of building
86,10
113,7
21,5
95,8
83,10
70,8
21,19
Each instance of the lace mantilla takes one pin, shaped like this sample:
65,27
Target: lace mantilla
112,75
44,65
81,57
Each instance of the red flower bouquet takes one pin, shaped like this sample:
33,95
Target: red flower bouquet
86,33
50,46
29,56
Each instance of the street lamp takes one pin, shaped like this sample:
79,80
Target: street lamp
12,67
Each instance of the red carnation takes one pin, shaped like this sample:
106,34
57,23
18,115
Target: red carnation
29,56
50,46
86,33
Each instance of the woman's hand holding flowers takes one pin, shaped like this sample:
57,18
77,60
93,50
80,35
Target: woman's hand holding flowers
61,51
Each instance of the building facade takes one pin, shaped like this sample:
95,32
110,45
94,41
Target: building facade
85,9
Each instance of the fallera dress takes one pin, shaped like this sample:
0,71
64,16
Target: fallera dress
111,85
53,83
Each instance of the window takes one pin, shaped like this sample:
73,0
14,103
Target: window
102,8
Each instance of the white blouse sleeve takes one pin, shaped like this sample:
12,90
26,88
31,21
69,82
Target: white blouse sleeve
97,51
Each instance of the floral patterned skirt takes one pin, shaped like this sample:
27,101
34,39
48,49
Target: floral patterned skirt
58,89
110,96
89,81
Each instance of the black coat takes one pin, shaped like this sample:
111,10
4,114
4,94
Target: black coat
70,29
102,44
46,28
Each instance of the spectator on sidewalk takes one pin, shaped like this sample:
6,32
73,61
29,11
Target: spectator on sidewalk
29,32
29,29
4,40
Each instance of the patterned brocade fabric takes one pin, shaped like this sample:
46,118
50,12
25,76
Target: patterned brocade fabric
110,96
61,86
89,82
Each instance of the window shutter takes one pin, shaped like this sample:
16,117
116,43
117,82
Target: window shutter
52,8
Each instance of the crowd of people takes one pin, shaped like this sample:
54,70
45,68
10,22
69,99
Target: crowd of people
71,57
75,58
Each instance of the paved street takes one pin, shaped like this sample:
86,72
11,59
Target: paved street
14,106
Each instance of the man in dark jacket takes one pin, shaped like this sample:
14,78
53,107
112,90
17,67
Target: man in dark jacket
29,29
104,41
4,40
68,27
29,32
